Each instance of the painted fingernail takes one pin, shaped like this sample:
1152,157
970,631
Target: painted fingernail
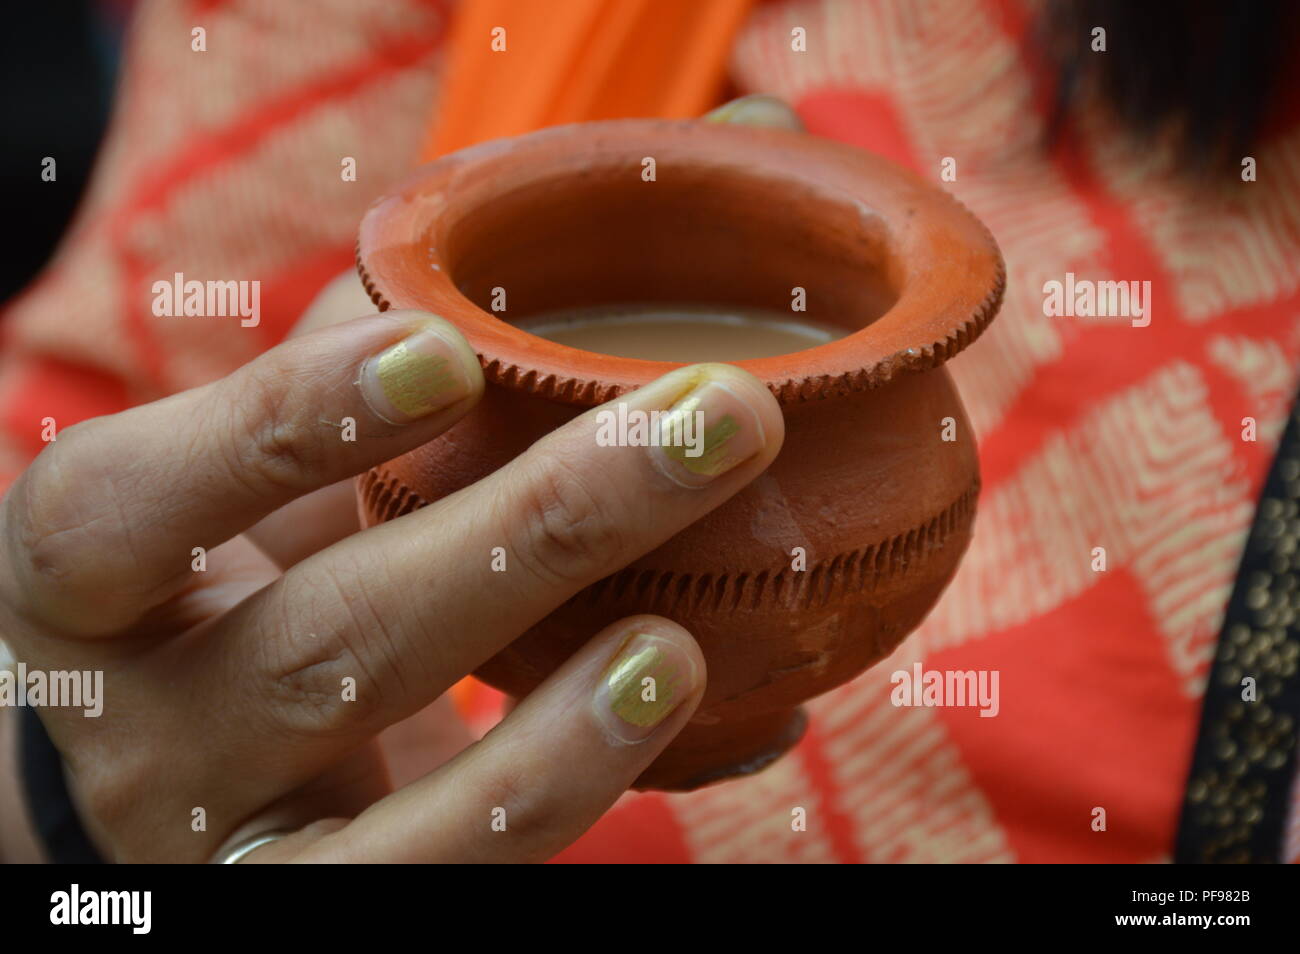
756,110
706,433
414,378
648,679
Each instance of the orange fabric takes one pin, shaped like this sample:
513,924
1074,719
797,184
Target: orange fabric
569,61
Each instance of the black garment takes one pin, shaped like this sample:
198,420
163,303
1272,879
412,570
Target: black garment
1239,788
48,802
57,66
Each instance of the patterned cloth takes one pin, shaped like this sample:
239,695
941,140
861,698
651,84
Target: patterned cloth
1094,433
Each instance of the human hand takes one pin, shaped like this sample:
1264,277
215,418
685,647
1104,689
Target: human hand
250,697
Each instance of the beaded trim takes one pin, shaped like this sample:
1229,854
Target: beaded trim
1238,794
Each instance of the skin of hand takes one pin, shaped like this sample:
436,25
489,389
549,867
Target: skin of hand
252,693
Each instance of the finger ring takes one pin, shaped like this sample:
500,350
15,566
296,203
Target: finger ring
238,853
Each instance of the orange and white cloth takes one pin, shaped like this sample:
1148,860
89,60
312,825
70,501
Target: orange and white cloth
1093,433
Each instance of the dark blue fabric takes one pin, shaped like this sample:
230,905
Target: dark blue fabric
48,802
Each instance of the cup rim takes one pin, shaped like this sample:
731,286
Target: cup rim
953,282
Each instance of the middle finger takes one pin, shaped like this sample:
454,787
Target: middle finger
408,607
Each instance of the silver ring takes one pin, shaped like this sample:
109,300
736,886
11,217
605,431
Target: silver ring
246,847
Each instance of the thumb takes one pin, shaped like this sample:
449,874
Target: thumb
757,110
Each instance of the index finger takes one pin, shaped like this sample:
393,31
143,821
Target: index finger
102,526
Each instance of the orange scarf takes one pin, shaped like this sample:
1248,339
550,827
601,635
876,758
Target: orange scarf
514,66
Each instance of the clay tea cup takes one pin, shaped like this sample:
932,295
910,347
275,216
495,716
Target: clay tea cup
820,567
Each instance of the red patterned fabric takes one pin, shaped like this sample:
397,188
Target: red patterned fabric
217,164
1093,433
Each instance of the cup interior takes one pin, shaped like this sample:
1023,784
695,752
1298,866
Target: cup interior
703,235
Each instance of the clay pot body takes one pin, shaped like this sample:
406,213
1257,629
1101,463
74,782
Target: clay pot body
866,484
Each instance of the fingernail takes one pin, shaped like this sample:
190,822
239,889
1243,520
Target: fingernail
417,376
756,110
706,433
648,679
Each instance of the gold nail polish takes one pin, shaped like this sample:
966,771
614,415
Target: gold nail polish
713,458
414,381
643,686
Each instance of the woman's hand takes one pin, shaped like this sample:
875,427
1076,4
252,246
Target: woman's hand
239,699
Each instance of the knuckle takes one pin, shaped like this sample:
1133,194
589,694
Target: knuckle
111,771
321,684
565,528
44,517
275,441
317,687
112,798
515,792
125,775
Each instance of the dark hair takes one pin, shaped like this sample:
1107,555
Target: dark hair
1205,73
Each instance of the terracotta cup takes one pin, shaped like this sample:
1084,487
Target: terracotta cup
866,484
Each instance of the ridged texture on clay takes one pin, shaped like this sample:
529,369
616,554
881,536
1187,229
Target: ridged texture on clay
589,393
856,571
